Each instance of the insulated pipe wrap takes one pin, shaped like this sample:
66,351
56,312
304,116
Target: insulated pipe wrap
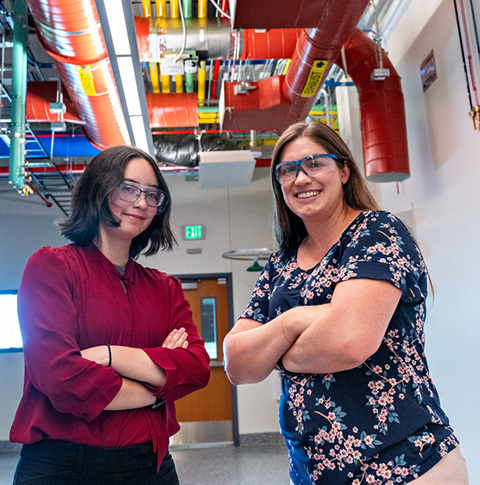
272,44
39,96
71,33
336,23
382,112
172,109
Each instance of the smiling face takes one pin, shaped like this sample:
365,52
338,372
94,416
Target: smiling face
134,217
316,196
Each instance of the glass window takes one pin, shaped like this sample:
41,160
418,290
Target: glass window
10,337
209,326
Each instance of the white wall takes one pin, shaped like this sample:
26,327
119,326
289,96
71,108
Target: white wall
443,192
25,225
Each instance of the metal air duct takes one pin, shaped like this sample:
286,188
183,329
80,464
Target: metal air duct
382,112
71,33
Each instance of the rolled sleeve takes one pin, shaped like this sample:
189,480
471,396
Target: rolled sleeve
384,249
186,370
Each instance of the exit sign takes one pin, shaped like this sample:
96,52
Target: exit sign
193,232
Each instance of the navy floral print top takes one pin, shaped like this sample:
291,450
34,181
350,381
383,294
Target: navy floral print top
381,422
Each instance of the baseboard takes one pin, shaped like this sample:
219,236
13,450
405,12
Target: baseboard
256,439
9,447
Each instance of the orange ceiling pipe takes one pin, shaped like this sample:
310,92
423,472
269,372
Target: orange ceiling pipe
71,33
39,96
164,110
382,111
172,109
272,44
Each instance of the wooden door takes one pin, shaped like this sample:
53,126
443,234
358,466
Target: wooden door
208,414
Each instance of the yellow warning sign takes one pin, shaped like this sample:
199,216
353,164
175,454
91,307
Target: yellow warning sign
86,80
314,78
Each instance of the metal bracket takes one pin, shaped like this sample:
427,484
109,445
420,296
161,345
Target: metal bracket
243,87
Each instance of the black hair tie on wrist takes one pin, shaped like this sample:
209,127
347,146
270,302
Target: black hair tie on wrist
109,356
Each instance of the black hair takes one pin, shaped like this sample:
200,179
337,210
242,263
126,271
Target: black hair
90,203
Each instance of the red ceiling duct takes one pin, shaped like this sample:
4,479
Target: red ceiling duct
71,33
382,111
39,96
279,14
172,109
270,44
316,52
314,55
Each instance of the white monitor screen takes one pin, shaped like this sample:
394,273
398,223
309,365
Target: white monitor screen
10,336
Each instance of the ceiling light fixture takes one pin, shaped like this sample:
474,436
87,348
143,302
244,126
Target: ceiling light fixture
118,26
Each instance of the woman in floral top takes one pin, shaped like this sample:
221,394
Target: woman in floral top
340,309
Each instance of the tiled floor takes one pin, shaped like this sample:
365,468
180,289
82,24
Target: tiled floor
219,465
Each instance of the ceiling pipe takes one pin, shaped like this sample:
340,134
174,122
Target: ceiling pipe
71,33
316,52
210,38
40,95
164,110
19,85
271,44
382,112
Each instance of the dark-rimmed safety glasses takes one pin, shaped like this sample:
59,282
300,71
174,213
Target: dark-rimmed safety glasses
131,193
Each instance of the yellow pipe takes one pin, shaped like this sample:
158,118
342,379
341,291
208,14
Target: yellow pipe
201,82
174,14
179,83
165,84
154,77
161,8
202,9
147,8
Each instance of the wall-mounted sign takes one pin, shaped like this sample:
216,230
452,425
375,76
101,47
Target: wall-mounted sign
193,232
428,71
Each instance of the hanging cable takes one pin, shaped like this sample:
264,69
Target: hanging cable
469,53
475,29
184,41
471,113
225,14
476,108
377,37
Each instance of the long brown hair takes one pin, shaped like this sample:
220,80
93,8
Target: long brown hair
289,228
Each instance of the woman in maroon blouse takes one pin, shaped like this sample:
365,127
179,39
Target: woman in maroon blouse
109,345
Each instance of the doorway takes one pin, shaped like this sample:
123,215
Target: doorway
209,415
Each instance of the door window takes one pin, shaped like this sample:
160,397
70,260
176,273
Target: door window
209,326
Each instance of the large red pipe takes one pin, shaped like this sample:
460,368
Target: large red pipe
316,52
270,44
382,111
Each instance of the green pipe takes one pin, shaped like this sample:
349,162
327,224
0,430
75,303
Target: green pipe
188,82
19,96
208,109
187,9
